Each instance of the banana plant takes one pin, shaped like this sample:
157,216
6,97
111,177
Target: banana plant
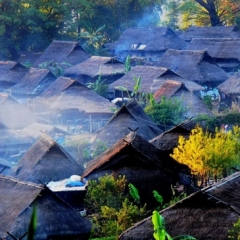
134,192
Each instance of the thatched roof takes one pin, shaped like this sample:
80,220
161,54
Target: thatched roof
55,219
35,130
147,39
46,160
148,76
193,104
168,140
225,48
207,214
10,137
196,66
13,114
231,86
11,72
139,161
128,116
63,51
210,32
97,66
72,94
33,83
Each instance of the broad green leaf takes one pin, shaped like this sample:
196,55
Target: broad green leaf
134,192
33,224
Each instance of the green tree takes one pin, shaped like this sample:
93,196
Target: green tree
166,112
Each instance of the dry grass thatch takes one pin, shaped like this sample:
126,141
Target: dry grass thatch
207,214
210,32
130,116
63,51
231,86
33,83
147,39
46,160
196,66
97,66
55,219
225,48
10,110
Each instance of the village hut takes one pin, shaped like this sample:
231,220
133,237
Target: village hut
10,74
46,161
225,51
74,105
195,66
130,116
69,52
193,105
35,130
151,79
55,219
31,85
106,69
207,214
149,43
12,144
13,114
230,91
141,164
210,32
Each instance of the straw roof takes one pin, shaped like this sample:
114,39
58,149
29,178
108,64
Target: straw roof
46,160
55,219
35,130
129,116
231,86
13,114
210,32
148,76
193,104
33,83
10,137
196,66
72,94
147,39
11,72
96,66
139,161
206,214
63,51
226,48
168,140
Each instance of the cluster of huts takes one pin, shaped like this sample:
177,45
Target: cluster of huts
39,109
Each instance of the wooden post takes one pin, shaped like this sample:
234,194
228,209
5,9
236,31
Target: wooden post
90,122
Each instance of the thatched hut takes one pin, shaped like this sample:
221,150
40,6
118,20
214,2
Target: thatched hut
206,214
140,162
13,144
73,104
31,85
10,74
195,66
55,219
45,161
192,103
129,116
69,52
151,79
225,51
230,91
210,32
149,43
109,69
13,114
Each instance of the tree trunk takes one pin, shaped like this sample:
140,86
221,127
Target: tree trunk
210,6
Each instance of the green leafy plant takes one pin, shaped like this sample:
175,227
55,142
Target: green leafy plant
234,233
99,86
134,193
127,64
56,68
33,224
160,232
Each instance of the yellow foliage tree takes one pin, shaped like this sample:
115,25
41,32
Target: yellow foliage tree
209,154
